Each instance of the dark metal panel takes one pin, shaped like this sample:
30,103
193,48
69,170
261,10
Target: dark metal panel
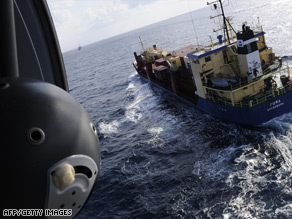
28,62
8,51
34,16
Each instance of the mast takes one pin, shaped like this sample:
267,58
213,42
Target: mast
224,21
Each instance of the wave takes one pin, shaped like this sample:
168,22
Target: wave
281,124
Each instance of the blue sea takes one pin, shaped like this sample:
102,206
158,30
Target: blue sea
161,158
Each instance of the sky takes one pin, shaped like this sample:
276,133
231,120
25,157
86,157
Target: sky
81,22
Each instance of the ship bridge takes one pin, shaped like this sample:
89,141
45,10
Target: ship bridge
239,71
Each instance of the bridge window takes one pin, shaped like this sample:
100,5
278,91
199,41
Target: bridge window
208,59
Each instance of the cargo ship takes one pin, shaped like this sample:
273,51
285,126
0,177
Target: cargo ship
237,79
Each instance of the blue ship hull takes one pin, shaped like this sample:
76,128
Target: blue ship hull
253,116
249,116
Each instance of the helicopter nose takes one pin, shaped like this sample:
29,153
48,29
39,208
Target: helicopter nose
50,151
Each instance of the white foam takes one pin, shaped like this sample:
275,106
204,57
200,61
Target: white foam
133,109
108,128
133,74
155,130
252,175
133,114
130,86
227,216
284,146
214,165
282,123
286,210
155,139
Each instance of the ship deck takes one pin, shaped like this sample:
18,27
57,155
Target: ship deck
253,100
275,74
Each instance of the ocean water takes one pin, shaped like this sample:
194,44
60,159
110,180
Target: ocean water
162,158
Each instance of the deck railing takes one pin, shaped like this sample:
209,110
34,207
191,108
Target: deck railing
242,83
256,99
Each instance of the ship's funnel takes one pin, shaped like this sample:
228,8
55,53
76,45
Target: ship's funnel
248,53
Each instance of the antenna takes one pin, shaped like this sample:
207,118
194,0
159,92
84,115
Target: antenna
142,44
194,26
